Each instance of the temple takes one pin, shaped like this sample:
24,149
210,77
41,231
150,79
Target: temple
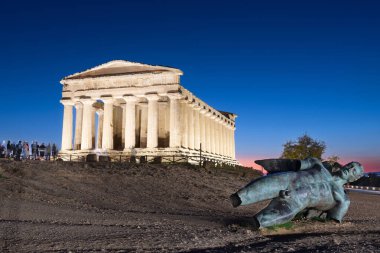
125,108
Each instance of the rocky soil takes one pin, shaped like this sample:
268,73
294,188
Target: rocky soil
77,207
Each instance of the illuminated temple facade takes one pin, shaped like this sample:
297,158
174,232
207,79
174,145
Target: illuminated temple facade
125,108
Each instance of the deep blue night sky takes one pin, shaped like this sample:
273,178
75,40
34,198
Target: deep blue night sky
285,67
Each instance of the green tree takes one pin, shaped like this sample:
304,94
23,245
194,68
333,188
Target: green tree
303,148
333,158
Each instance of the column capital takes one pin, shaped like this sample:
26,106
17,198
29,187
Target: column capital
208,113
191,103
174,95
152,97
213,116
203,111
130,98
78,105
87,101
107,100
67,102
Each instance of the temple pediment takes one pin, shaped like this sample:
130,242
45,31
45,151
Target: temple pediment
121,67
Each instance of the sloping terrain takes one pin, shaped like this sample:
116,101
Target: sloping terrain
61,207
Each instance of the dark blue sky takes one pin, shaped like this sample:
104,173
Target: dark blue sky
285,67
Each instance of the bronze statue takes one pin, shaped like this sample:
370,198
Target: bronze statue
298,186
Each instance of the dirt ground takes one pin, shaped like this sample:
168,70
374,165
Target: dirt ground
77,207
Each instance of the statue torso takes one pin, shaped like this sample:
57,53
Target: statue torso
314,188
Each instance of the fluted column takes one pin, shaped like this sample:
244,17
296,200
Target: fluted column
213,134
225,142
124,108
225,138
78,125
221,134
107,139
86,142
197,129
233,142
208,131
67,128
130,122
230,140
184,125
175,124
217,135
202,123
99,134
190,125
152,141
93,131
228,143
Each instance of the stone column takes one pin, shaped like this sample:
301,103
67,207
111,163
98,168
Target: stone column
225,138
213,134
107,139
93,131
175,124
124,108
86,142
78,125
233,142
217,135
221,136
67,128
130,122
202,123
197,129
100,130
190,122
143,125
152,141
184,124
208,131
229,140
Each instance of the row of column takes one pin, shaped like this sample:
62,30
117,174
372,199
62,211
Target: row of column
203,129
190,125
84,128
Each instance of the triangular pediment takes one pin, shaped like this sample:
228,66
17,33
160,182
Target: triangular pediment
121,67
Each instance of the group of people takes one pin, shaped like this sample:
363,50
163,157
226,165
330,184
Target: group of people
22,150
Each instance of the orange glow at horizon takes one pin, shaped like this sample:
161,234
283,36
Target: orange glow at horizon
369,164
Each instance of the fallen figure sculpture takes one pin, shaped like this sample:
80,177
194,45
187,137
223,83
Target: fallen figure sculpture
298,186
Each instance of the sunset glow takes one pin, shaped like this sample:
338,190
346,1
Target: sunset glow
370,164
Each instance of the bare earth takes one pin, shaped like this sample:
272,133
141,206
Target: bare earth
62,207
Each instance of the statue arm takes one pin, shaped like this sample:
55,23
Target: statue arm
342,204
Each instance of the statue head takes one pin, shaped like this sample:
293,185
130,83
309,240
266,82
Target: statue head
351,172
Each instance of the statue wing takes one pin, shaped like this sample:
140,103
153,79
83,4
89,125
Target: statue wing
280,165
332,167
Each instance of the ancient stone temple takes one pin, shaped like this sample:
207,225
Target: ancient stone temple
125,108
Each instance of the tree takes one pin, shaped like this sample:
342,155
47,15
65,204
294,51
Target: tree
333,158
303,148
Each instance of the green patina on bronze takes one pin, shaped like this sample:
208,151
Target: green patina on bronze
297,186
